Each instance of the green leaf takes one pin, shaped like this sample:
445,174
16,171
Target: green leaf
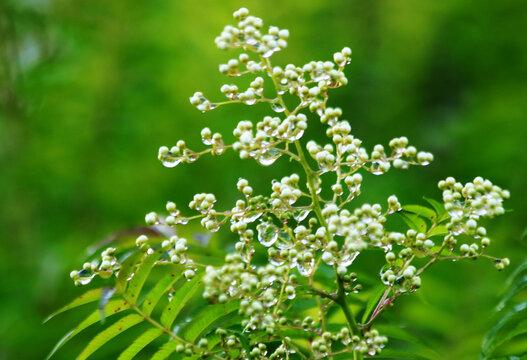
86,298
106,295
522,267
136,284
206,317
113,307
140,343
524,234
413,221
396,332
109,333
159,289
372,302
518,329
180,298
438,230
296,333
438,207
398,354
165,350
516,288
127,267
494,334
421,211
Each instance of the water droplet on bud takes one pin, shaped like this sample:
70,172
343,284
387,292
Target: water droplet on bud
170,163
277,107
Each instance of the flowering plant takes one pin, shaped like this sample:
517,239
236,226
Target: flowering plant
288,289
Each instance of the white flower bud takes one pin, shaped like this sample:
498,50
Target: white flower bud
189,274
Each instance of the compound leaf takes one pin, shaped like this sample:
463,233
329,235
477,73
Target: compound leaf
136,284
495,334
158,291
109,333
398,354
127,268
86,298
140,343
206,317
178,301
113,307
165,350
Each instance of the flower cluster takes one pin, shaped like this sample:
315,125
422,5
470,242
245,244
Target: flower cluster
105,269
249,34
299,232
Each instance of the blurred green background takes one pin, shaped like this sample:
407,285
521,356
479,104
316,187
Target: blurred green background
89,90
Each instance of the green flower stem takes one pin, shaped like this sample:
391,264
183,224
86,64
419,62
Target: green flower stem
341,294
341,300
379,308
281,293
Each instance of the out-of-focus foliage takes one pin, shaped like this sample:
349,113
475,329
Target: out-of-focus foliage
508,336
90,89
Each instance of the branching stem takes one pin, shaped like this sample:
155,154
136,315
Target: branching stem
340,298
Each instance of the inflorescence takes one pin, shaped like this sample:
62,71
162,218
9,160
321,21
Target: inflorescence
301,230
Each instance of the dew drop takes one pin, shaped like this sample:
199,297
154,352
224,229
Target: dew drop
269,156
214,228
480,212
251,41
266,161
301,215
267,234
326,167
458,214
297,135
276,261
182,221
253,217
320,77
284,240
171,163
277,107
86,280
348,259
218,151
270,303
85,273
306,269
268,53
250,102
